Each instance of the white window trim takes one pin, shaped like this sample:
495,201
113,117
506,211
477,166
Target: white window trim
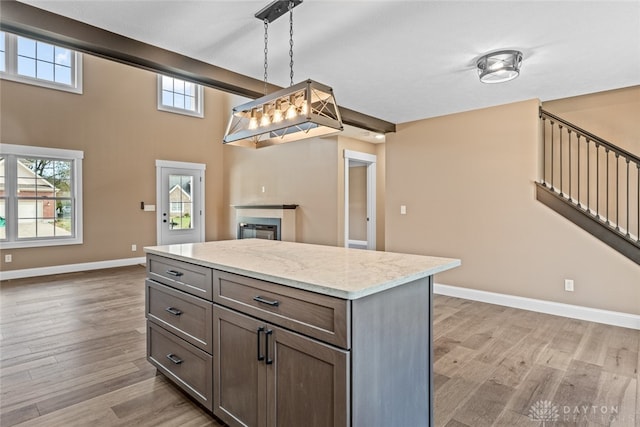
11,68
199,112
52,153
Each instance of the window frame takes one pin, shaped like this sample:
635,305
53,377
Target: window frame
199,99
11,66
11,153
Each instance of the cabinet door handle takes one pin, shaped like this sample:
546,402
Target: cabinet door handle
260,355
173,311
175,359
273,303
269,360
174,273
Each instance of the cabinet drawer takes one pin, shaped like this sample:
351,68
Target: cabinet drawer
320,316
189,367
190,278
185,315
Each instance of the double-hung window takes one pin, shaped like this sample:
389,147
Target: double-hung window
40,63
180,96
40,196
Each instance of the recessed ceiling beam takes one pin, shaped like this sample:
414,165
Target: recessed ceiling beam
30,21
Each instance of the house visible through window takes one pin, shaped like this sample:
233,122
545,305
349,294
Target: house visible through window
179,96
40,63
40,196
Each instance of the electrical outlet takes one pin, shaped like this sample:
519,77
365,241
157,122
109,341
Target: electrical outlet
8,258
403,209
134,248
568,285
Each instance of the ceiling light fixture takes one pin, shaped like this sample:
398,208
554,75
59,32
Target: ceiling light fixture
304,110
500,66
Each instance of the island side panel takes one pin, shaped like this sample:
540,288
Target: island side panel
392,357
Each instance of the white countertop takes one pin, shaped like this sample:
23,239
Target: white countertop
339,272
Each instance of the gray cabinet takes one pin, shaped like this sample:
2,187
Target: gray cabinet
268,376
179,315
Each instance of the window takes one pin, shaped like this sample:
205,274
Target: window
3,49
179,96
40,63
40,196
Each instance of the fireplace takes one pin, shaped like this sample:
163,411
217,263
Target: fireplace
272,222
259,228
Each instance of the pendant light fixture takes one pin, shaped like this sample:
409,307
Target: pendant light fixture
304,110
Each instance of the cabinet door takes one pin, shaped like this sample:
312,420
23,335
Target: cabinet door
307,382
239,375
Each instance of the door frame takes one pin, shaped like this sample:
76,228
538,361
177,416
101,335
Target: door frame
370,161
170,164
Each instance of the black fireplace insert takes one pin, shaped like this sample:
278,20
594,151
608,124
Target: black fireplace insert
259,228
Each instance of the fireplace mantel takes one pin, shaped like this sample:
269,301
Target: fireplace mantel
265,206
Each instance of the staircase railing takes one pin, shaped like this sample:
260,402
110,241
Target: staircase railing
595,176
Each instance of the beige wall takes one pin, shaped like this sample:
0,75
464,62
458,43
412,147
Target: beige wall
612,115
302,173
117,125
468,183
309,173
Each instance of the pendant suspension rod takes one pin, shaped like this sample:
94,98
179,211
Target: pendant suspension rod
266,51
291,6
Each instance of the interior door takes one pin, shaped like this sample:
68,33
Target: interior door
180,188
359,200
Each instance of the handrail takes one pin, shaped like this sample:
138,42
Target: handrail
596,181
589,135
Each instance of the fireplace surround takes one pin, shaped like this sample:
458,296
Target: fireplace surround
273,222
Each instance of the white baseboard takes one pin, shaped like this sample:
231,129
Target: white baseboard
607,317
69,268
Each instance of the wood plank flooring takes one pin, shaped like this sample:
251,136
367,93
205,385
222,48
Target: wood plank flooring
72,353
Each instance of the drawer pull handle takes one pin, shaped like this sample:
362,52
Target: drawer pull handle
173,311
273,303
260,355
269,360
175,359
175,273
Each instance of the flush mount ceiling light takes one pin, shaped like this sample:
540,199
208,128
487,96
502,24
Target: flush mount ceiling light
304,110
500,66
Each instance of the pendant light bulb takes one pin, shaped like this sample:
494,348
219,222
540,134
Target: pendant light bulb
253,121
304,110
277,112
265,120
292,111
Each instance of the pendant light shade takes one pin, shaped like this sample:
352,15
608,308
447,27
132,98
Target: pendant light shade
304,110
498,67
307,109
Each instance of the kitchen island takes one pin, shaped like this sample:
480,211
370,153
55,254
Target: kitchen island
273,333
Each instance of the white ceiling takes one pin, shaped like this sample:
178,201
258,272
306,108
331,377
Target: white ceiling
396,60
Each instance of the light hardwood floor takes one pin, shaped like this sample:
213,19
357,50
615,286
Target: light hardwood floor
72,353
